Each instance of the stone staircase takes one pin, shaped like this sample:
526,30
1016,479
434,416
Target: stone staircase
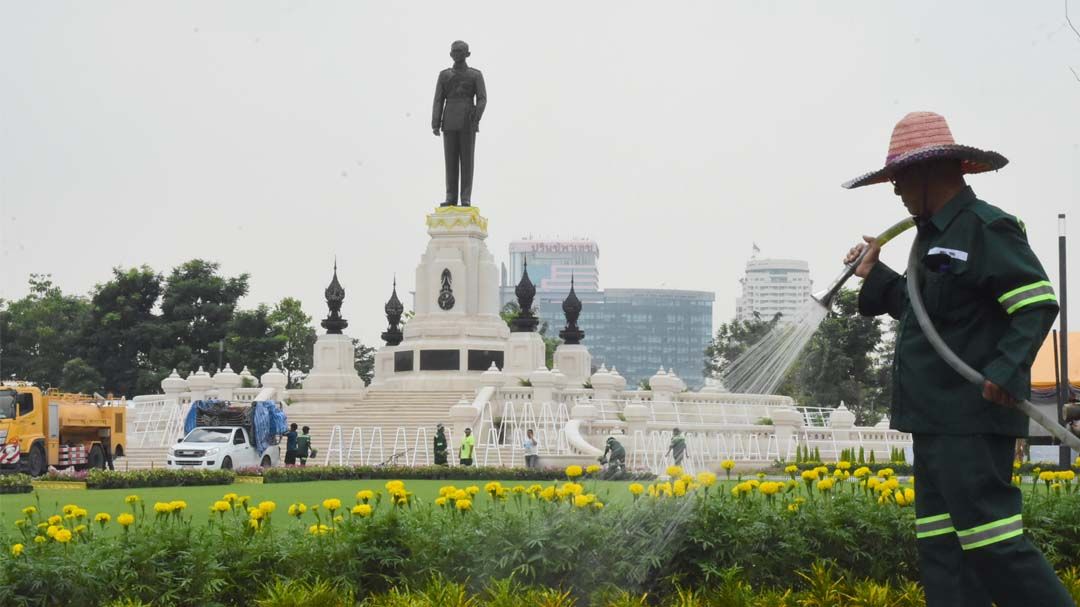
142,458
385,409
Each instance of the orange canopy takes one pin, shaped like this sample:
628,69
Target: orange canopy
1042,370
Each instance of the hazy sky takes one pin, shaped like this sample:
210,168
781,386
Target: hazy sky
270,136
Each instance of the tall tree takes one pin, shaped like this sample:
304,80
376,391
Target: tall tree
839,363
79,376
732,339
42,332
291,322
123,330
197,306
253,341
364,360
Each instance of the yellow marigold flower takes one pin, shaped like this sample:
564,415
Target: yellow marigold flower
1056,486
297,510
70,509
1047,476
472,489
678,488
1016,480
1066,475
339,519
444,491
42,525
1016,464
366,495
580,501
267,506
792,469
862,471
548,494
220,506
592,469
674,471
873,482
21,523
809,475
231,498
318,530
636,489
793,507
332,504
492,487
80,529
573,471
39,539
178,505
395,486
29,511
826,484
844,465
256,513
1076,464
17,549
518,489
727,464
51,531
893,484
125,519
769,488
885,473
55,519
163,507
62,536
461,494
131,499
439,501
463,505
535,489
598,505
254,523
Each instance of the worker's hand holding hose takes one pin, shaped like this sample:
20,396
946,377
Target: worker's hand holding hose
872,248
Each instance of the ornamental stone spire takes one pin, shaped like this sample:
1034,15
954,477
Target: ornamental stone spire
392,335
335,295
525,321
571,306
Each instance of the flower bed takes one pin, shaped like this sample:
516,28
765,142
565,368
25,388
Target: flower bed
107,479
15,483
686,533
292,474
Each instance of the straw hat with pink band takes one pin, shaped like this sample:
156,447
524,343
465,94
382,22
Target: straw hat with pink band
922,136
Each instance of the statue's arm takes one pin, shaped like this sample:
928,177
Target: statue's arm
481,96
437,105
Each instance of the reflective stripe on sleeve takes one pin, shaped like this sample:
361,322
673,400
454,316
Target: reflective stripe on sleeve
1027,295
931,526
991,533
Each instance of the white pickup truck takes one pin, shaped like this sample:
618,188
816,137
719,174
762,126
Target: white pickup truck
219,447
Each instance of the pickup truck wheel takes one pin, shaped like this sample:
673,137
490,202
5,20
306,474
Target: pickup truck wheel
226,464
36,464
266,463
96,459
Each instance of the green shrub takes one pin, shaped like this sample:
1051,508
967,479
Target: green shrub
108,479
294,474
295,593
15,483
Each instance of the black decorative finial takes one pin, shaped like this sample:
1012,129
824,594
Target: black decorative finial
392,335
335,295
525,321
571,307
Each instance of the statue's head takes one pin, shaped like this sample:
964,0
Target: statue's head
459,50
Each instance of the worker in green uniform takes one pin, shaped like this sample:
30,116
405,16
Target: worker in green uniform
677,448
988,296
440,446
614,457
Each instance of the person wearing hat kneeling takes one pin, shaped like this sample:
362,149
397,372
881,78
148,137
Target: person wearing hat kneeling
989,297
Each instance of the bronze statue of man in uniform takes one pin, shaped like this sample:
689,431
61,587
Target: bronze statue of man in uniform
459,119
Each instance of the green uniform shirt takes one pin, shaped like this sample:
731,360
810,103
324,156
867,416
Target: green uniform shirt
990,300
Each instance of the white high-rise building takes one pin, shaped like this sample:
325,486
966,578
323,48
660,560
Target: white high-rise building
773,286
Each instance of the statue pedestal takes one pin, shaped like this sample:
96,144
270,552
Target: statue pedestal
333,369
456,332
525,353
575,362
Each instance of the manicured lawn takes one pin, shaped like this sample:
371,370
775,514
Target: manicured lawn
199,498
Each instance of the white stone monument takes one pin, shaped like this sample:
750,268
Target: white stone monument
334,373
456,331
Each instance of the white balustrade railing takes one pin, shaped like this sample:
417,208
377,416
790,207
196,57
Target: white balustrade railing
155,422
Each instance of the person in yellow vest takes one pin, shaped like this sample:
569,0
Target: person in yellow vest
468,446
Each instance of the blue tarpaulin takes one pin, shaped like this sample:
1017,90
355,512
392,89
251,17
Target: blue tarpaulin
267,421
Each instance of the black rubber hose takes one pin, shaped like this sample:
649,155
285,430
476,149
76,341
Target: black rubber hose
913,271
